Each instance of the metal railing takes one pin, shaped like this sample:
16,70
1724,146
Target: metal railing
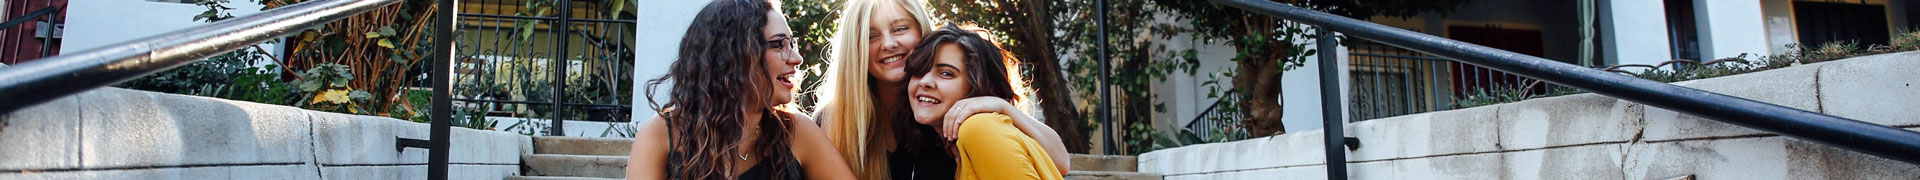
1391,81
1873,139
556,66
32,83
46,79
1214,119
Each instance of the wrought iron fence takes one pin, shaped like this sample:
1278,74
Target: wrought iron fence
560,60
1217,117
1390,81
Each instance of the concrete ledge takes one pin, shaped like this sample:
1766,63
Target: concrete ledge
1283,151
1590,136
1567,120
555,178
1426,134
127,128
41,137
191,173
112,133
1791,87
1881,89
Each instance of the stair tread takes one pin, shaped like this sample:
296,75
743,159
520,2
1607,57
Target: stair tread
556,178
582,145
1112,175
599,166
1086,162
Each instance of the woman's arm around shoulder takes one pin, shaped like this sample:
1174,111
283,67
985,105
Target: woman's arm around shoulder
990,147
815,152
966,109
648,157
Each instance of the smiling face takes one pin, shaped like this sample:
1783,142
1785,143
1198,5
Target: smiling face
891,35
934,92
781,58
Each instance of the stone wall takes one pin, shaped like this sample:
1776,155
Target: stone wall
1588,136
113,133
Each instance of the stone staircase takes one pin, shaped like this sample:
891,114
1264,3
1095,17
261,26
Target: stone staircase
1107,167
575,158
582,158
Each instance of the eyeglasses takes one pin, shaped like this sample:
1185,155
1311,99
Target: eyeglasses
785,44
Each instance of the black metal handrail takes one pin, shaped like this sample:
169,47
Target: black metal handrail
1878,140
43,80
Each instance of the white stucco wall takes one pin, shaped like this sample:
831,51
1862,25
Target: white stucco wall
1186,97
1633,32
96,23
1590,136
1730,27
662,23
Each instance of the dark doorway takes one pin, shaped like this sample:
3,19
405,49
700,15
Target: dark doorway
1467,77
1683,33
1824,22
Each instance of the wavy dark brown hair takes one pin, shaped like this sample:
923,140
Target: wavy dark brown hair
719,70
990,71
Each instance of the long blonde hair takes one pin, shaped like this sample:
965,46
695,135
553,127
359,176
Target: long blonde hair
847,94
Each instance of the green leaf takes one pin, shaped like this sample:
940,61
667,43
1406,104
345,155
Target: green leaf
310,86
387,30
340,83
397,59
386,44
371,35
360,95
526,30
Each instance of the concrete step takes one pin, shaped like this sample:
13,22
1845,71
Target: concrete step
1111,175
575,165
1086,162
582,145
556,178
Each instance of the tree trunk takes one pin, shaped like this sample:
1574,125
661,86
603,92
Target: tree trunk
1050,87
1258,79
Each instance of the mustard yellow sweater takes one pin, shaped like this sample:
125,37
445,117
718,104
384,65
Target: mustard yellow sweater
990,147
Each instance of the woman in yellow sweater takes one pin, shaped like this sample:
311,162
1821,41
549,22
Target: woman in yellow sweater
955,66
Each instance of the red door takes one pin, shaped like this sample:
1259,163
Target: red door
19,42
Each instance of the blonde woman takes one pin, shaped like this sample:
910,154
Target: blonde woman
865,94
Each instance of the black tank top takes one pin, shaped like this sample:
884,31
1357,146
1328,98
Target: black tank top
760,170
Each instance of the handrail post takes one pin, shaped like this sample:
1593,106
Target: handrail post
1330,104
442,83
564,24
1106,97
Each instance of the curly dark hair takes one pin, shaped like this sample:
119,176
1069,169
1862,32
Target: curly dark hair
990,71
720,69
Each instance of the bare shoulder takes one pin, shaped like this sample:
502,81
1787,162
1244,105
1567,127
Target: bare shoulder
806,136
804,129
653,131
